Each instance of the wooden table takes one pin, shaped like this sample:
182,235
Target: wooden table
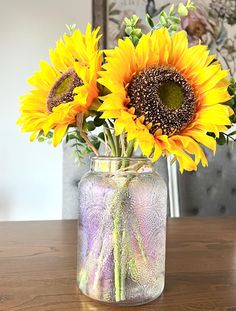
38,267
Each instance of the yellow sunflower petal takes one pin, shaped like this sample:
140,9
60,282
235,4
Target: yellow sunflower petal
41,109
33,136
119,126
157,152
58,134
179,45
185,161
204,139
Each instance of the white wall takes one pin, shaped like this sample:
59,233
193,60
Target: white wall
30,173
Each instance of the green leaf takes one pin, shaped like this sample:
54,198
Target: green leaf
190,5
134,19
49,135
175,20
97,144
230,103
80,139
101,136
137,32
111,124
127,21
76,145
135,40
211,134
182,10
172,9
232,81
173,28
163,21
90,126
221,140
232,133
231,90
233,118
75,135
41,139
98,122
163,14
128,30
71,28
150,21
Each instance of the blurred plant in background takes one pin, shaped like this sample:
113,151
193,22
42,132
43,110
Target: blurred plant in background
225,10
201,25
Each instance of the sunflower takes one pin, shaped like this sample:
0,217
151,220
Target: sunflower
166,96
62,90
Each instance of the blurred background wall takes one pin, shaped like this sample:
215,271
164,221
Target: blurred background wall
30,174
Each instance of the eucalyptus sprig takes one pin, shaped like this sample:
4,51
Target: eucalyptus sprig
172,19
131,29
45,138
71,28
81,148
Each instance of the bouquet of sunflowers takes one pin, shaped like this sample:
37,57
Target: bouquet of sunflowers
150,92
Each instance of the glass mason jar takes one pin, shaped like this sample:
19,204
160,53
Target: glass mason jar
122,231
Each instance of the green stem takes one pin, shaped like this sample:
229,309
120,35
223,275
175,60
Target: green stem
128,153
116,237
123,271
122,142
130,149
118,148
111,140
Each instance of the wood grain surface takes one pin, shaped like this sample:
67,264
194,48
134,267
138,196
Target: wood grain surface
38,267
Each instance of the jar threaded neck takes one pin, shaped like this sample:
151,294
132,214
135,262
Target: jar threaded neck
121,164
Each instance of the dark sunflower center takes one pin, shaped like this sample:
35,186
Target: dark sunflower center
62,90
164,98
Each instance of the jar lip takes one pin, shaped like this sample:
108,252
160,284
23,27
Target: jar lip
134,158
107,164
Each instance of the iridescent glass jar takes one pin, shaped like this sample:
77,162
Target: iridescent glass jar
122,231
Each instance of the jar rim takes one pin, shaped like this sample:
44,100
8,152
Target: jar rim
107,164
111,158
